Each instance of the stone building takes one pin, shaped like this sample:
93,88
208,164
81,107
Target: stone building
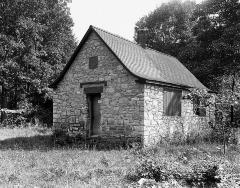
114,87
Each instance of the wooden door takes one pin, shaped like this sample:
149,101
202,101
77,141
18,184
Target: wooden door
94,113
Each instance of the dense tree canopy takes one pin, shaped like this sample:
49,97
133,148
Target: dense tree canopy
167,28
217,35
35,41
205,37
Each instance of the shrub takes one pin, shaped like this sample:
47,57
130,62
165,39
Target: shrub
185,167
197,175
13,118
229,174
151,170
61,137
203,174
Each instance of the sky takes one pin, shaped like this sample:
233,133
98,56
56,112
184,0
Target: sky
116,16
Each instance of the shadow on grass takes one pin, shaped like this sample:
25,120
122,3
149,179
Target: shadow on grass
63,141
49,142
38,142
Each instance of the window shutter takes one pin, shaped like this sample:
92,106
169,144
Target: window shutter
172,102
93,62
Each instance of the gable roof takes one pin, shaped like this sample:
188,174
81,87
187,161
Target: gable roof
143,63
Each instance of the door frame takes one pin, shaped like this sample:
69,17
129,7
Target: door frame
90,99
91,90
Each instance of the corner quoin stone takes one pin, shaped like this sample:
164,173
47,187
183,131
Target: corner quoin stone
127,108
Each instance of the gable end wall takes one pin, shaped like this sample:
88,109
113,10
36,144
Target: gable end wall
127,108
121,100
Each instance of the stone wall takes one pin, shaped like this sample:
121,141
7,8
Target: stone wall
121,103
160,128
153,112
127,108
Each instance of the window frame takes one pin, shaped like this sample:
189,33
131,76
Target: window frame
177,92
198,108
93,62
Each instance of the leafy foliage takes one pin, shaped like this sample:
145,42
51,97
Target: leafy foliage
229,175
198,174
188,166
167,28
225,106
35,41
205,37
29,157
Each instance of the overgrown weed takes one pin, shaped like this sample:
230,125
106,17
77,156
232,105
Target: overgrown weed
27,164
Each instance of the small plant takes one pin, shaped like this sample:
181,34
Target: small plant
229,174
204,174
185,167
60,137
104,161
151,170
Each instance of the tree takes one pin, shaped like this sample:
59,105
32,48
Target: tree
167,28
225,127
35,41
204,37
215,49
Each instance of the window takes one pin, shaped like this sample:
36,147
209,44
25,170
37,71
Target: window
198,107
93,62
172,102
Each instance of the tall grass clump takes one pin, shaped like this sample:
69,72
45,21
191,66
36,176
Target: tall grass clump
188,165
29,157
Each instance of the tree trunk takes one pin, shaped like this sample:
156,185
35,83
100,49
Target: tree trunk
3,103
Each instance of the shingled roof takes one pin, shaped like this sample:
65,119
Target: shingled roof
144,63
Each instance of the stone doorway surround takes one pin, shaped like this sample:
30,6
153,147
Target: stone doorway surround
94,113
93,91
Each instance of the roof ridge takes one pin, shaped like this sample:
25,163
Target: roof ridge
148,65
118,36
130,41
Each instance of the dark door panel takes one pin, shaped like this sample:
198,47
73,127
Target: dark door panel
94,113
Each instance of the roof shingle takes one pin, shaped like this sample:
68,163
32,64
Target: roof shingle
142,62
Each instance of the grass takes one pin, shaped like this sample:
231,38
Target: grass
63,168
29,158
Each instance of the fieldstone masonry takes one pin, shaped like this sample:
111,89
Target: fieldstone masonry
160,128
127,107
121,100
